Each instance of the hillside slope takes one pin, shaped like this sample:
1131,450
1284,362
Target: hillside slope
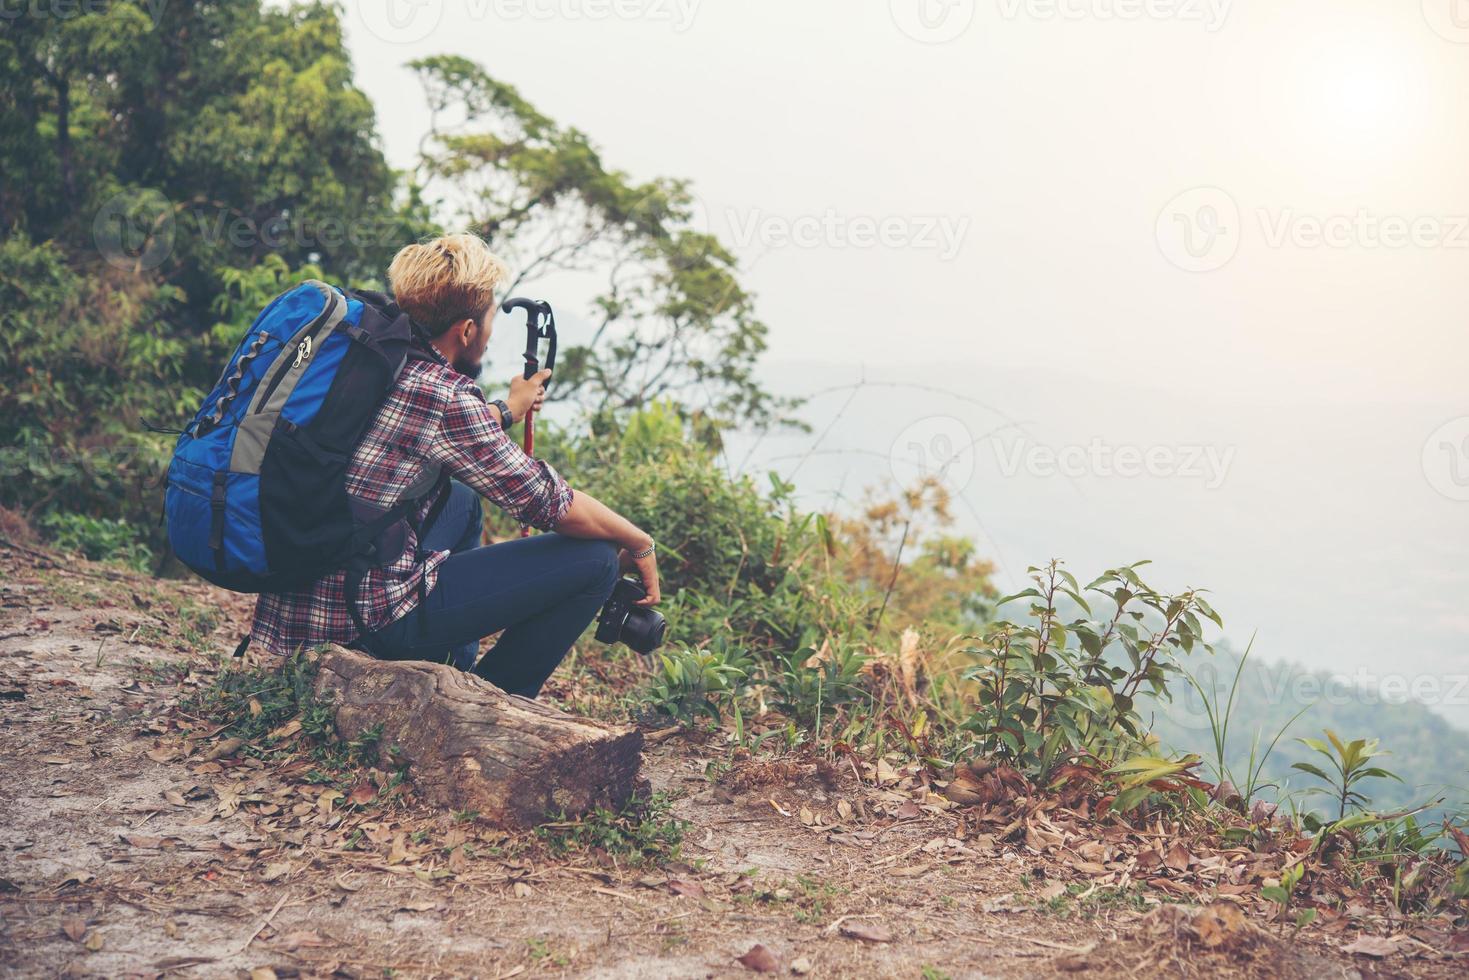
137,844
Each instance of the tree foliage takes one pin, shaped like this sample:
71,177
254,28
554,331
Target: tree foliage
672,321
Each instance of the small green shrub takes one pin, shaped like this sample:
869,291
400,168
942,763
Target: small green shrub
810,686
1351,765
693,683
642,832
1051,690
256,704
99,539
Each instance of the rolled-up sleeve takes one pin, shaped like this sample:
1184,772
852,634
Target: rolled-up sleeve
474,449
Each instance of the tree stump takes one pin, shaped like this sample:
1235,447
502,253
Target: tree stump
471,746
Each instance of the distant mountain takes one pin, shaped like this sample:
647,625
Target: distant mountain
1428,753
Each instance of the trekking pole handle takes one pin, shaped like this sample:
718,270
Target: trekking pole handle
540,324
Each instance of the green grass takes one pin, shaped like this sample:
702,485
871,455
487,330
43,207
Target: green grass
642,832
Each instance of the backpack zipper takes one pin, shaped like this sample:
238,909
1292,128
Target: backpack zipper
287,365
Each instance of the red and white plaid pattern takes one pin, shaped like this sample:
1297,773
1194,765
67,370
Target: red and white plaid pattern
433,415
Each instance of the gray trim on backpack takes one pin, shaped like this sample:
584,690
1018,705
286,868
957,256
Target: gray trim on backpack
254,431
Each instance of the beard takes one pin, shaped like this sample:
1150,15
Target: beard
468,366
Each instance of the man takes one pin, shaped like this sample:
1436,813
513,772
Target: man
437,601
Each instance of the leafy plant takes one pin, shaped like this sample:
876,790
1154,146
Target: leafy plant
690,683
811,684
1351,765
1283,895
99,539
264,707
644,831
1050,690
1140,777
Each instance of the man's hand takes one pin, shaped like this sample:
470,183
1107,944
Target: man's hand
527,394
647,571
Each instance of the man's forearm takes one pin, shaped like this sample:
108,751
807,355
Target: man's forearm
588,517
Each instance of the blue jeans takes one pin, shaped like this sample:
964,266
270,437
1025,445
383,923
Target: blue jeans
542,591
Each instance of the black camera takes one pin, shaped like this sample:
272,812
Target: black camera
638,627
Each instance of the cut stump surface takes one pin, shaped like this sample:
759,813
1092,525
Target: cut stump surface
470,746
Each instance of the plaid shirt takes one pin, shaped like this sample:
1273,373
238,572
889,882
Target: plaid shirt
433,415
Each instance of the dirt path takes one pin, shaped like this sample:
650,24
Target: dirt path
121,857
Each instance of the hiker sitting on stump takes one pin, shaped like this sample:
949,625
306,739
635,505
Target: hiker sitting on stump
446,592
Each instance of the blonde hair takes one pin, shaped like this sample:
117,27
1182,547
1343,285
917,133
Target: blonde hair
445,280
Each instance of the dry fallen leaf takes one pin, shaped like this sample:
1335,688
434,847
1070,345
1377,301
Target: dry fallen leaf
276,871
292,941
800,966
868,933
174,797
262,973
1221,924
93,942
760,959
1177,857
55,760
521,890
689,889
1051,892
1374,946
163,754
73,928
223,749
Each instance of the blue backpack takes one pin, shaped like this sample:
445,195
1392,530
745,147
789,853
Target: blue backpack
257,498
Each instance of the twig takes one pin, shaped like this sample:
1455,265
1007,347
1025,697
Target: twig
264,922
1078,950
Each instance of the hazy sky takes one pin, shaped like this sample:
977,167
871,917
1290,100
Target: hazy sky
1210,255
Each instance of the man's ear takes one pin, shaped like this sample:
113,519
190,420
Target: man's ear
463,332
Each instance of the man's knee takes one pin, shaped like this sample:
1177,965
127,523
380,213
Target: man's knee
607,568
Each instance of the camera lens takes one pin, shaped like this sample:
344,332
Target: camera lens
643,630
621,620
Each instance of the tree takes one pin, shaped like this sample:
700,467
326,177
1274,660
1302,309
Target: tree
673,321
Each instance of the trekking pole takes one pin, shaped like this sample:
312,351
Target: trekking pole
540,324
